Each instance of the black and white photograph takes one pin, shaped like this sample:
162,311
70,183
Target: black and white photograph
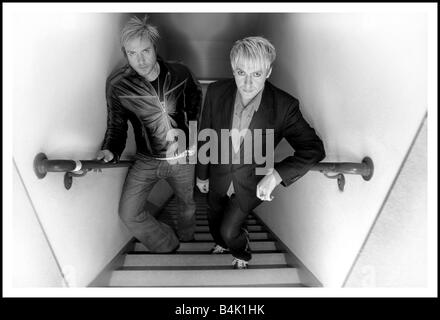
219,150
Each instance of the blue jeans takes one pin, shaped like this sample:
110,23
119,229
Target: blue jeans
141,178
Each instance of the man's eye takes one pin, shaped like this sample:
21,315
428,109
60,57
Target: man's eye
240,72
257,74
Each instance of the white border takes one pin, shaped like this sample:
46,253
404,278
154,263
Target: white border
199,7
430,291
432,219
7,155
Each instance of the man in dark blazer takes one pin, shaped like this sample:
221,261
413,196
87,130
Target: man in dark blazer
249,104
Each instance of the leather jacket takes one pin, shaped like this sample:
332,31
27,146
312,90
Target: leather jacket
131,97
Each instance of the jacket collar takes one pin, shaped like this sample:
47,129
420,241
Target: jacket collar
265,111
260,117
162,63
228,103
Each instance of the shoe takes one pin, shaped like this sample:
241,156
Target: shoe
239,264
175,249
218,249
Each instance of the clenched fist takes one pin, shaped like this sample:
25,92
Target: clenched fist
203,185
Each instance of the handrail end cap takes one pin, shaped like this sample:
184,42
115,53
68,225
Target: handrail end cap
369,163
39,168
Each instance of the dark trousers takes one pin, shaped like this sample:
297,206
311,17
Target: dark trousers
141,178
227,224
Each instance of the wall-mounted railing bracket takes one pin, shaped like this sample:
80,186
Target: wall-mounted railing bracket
364,169
340,178
68,178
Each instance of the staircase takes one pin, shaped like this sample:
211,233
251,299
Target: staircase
193,266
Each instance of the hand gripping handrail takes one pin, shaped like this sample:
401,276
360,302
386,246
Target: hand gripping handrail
72,168
79,168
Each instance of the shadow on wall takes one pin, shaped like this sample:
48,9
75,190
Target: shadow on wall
202,41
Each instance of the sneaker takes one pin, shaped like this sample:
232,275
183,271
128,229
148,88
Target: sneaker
239,264
218,249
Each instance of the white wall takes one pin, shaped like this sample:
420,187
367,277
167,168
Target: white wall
33,262
395,253
361,82
60,62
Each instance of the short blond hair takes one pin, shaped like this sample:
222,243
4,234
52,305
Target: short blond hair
137,28
256,50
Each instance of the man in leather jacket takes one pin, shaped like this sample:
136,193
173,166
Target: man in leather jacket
156,97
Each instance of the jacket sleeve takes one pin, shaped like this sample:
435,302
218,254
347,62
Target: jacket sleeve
202,170
309,148
116,133
193,97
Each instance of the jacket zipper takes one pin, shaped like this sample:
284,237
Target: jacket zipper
164,101
167,121
169,91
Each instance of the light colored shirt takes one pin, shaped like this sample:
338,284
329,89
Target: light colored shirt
241,120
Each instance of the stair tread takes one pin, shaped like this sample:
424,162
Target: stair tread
251,228
209,267
205,222
252,236
199,219
192,265
205,235
206,246
194,278
198,259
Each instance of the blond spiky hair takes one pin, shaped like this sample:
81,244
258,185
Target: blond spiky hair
255,50
137,28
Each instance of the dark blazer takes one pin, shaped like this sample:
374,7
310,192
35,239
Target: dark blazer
278,111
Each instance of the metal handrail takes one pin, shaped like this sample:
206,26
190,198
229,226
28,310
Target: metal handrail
364,169
72,168
78,168
42,165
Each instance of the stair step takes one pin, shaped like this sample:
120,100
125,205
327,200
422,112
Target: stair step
248,222
197,278
251,228
204,221
191,260
206,246
252,236
193,265
175,206
200,215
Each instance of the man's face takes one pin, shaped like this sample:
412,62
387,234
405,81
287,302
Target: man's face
250,78
141,55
